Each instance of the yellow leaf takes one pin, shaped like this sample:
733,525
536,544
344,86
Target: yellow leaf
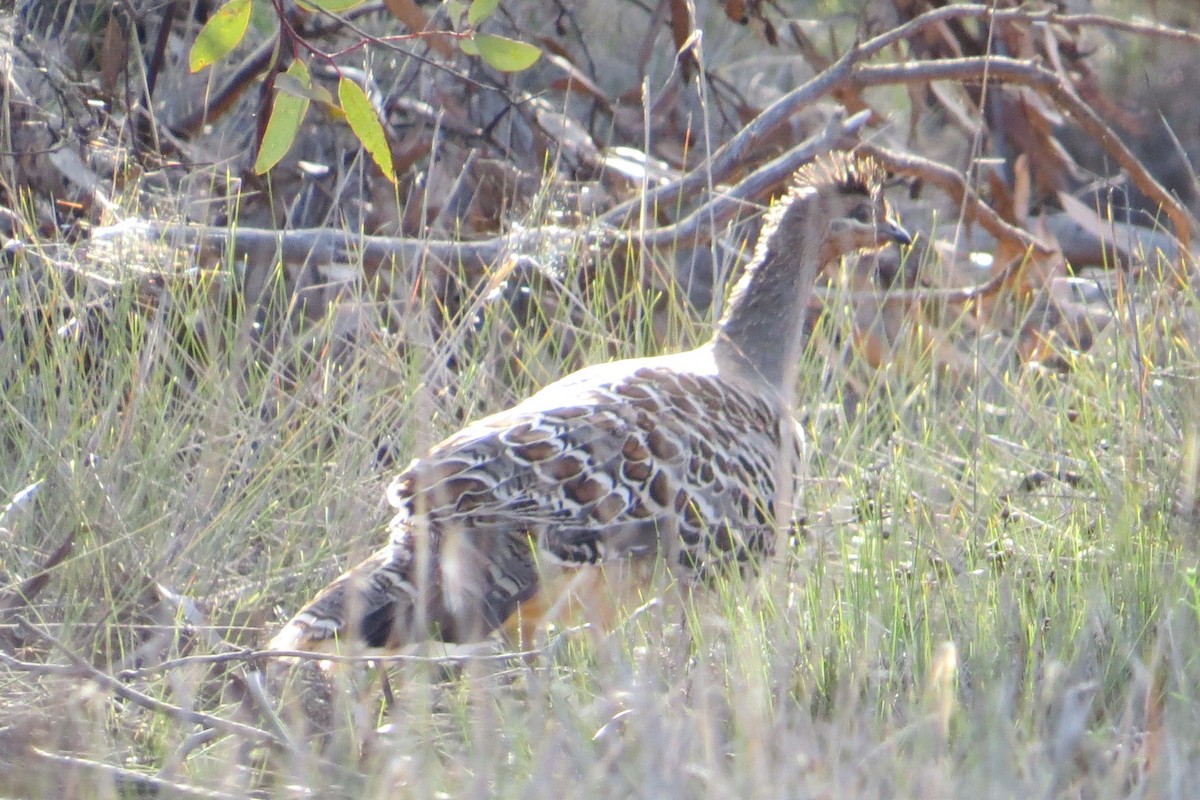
363,120
224,31
287,113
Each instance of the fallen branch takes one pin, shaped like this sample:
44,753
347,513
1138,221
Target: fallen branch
252,656
129,781
33,668
955,186
153,704
331,246
726,205
325,246
23,596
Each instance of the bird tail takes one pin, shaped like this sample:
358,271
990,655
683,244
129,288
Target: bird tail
455,588
374,603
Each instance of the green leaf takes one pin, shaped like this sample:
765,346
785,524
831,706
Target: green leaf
287,112
469,47
223,32
297,87
365,124
481,10
336,6
506,55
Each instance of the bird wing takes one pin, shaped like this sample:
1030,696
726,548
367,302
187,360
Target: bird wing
601,469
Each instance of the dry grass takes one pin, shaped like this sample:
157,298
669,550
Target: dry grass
949,621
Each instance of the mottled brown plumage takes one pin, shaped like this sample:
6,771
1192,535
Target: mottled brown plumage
690,456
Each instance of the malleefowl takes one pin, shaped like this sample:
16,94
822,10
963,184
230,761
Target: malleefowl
689,456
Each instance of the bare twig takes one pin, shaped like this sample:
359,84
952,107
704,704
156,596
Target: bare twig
250,655
727,205
957,189
34,668
141,784
29,589
977,10
146,701
730,155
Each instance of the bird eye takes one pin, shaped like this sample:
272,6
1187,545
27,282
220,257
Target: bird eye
862,213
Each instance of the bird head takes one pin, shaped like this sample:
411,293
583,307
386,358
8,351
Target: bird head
860,218
844,194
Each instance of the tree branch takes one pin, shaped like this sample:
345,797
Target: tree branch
1027,73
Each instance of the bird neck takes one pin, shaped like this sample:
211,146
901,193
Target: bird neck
761,334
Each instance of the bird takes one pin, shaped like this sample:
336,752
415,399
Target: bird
688,456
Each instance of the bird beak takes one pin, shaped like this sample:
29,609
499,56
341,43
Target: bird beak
895,231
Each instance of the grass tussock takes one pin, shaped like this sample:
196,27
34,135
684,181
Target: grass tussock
994,591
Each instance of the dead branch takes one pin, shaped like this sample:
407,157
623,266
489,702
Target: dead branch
1026,73
956,188
146,701
251,656
330,246
730,155
726,205
33,668
1115,243
29,589
849,72
138,783
937,16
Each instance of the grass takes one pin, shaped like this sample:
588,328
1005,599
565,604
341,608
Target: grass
995,592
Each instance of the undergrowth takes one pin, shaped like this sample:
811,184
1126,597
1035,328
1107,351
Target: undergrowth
993,591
